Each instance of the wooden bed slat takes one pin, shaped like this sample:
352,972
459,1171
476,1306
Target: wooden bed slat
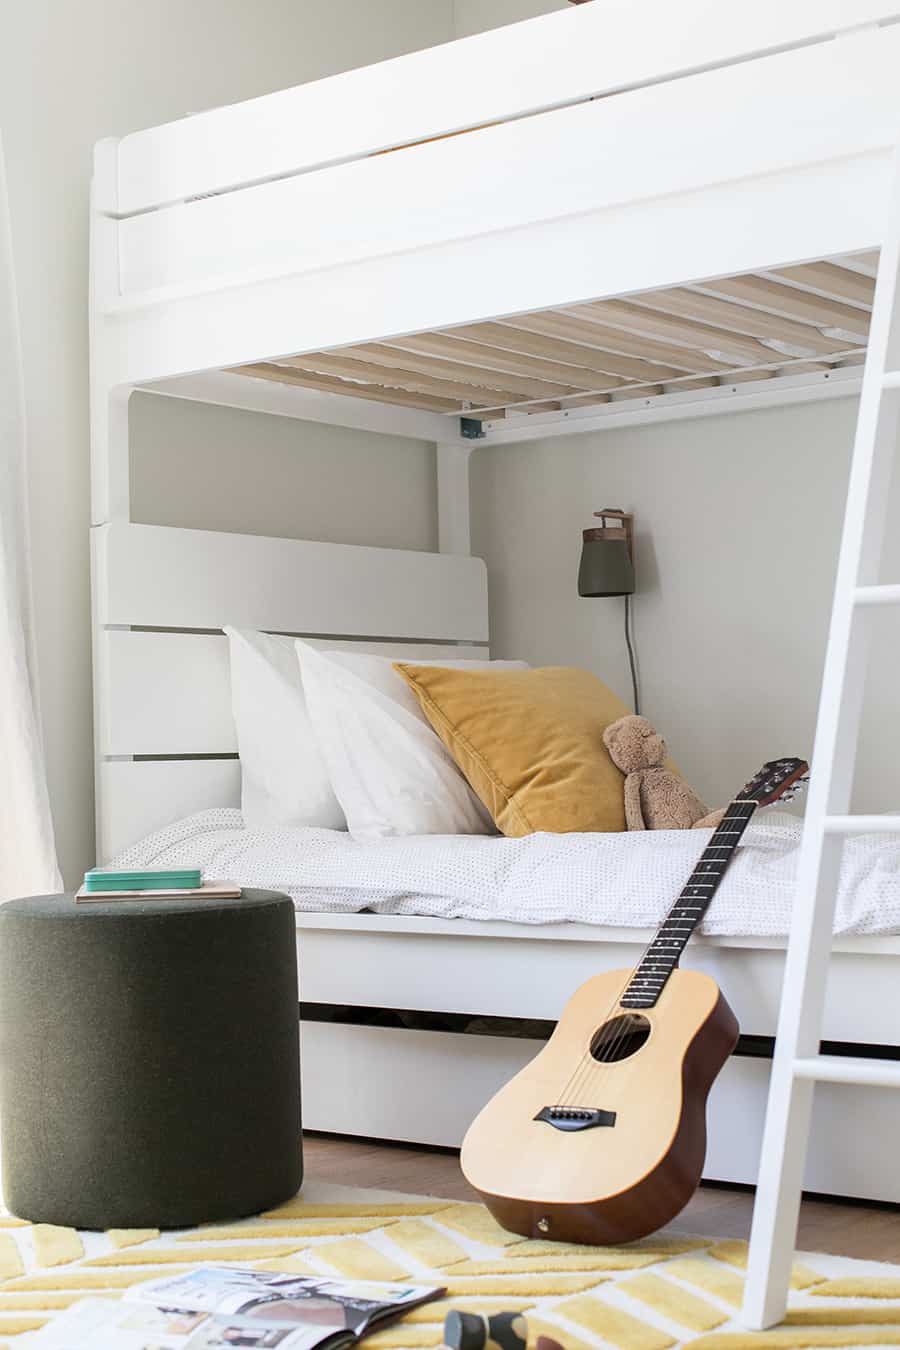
515,339
268,370
377,377
493,359
840,283
788,301
397,358
635,318
647,348
864,263
554,325
695,304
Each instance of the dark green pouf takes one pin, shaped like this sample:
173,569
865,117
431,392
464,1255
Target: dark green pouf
149,1059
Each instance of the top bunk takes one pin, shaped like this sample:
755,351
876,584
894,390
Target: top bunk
614,204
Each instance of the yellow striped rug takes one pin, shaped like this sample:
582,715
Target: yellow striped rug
658,1294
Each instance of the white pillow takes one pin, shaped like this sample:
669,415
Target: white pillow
390,771
284,780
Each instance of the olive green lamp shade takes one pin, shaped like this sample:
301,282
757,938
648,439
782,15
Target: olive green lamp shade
606,566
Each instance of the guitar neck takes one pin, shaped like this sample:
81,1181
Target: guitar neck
664,952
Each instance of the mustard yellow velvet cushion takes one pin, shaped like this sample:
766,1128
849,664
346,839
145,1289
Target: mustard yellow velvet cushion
530,742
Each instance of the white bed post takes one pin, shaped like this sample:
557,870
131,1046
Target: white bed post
109,405
110,468
454,526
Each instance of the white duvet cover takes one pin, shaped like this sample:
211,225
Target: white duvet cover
626,880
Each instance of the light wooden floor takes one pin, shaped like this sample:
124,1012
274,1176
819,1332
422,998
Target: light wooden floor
848,1230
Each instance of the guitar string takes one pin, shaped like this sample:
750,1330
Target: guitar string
588,1061
700,869
583,1069
583,1073
573,1085
632,1065
744,818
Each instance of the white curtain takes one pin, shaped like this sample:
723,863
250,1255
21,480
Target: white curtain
27,853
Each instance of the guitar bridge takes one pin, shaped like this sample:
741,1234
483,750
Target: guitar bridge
576,1117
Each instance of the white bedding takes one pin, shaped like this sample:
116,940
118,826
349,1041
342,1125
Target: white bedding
627,880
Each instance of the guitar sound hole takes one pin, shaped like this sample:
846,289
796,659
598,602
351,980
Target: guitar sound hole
620,1038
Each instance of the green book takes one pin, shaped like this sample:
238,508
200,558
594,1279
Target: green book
184,878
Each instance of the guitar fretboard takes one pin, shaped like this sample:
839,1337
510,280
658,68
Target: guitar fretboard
664,952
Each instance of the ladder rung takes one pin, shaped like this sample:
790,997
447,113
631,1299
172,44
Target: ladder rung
891,379
861,824
844,1069
877,595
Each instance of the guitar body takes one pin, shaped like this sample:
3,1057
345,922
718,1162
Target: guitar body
601,1139
621,1145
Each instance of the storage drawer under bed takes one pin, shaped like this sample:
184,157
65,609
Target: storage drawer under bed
426,1086
504,969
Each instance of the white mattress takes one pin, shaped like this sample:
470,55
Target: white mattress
628,880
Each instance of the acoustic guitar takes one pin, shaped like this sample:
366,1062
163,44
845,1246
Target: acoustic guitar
602,1137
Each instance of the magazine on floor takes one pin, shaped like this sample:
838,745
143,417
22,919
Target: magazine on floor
218,1306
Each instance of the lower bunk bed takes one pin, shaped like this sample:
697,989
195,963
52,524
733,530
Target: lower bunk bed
411,1020
410,1024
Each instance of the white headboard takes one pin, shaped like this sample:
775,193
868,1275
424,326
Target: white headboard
165,741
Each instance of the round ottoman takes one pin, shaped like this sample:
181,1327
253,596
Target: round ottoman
149,1059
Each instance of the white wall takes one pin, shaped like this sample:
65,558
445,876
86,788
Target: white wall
70,74
737,530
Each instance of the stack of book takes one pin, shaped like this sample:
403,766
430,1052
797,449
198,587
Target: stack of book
102,885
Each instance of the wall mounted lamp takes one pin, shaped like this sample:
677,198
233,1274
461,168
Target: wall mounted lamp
607,569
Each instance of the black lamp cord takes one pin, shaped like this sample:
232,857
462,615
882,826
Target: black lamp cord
631,661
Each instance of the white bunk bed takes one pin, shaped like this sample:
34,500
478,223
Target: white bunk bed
711,187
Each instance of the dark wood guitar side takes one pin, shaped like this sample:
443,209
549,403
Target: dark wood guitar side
656,1197
602,1137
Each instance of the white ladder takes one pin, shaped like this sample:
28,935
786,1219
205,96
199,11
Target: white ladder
797,1065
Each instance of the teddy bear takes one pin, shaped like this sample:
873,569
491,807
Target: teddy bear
655,797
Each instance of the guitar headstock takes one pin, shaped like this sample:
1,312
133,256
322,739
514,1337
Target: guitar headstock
778,780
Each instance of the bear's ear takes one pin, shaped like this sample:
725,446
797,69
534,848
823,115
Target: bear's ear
625,748
612,732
